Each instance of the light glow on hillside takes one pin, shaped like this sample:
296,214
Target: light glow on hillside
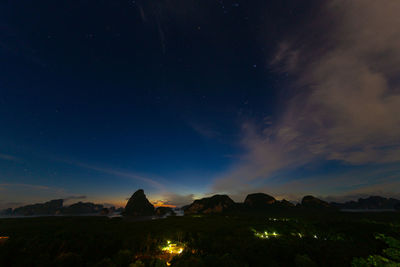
172,248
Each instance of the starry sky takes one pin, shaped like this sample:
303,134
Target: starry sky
188,98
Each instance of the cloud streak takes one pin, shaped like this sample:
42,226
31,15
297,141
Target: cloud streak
8,157
205,131
30,186
130,175
74,198
346,97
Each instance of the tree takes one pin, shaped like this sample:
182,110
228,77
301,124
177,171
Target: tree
390,258
304,261
123,258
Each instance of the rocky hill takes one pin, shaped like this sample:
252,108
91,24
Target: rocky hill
139,205
82,208
48,208
214,204
259,200
314,203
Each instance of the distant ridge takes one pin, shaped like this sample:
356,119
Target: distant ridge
48,208
56,207
262,201
372,202
139,205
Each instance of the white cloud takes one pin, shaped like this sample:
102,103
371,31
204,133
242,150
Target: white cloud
346,99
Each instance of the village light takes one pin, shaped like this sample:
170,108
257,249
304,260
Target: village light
265,235
172,248
300,235
279,219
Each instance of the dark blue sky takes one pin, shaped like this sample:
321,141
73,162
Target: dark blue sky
99,98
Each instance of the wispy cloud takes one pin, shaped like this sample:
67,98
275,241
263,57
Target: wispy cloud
349,109
21,190
74,198
346,99
31,186
114,172
8,157
205,131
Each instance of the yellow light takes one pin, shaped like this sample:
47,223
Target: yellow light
173,248
266,234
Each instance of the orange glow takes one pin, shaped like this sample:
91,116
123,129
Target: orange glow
162,204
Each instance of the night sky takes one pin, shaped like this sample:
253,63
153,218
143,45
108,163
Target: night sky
188,98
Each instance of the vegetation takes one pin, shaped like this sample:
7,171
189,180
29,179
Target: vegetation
230,239
390,257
